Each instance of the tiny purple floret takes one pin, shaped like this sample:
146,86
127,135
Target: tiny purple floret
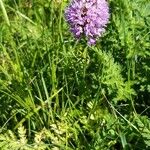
88,18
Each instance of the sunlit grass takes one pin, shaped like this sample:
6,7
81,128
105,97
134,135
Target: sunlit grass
58,93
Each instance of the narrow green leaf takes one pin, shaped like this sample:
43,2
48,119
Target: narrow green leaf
4,12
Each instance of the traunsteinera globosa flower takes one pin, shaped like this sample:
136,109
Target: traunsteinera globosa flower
87,18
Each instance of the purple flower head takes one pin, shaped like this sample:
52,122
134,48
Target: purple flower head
88,18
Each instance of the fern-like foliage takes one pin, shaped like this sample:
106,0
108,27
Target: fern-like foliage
108,74
10,140
143,123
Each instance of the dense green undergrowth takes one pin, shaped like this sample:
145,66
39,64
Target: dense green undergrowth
58,93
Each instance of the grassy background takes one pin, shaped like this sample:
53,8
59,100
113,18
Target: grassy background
58,93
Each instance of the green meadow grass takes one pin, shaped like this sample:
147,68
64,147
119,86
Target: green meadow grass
57,93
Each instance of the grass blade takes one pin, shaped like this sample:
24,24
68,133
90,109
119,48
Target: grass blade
4,12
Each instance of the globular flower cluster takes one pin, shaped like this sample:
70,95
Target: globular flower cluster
88,18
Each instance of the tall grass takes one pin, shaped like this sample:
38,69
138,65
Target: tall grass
58,93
